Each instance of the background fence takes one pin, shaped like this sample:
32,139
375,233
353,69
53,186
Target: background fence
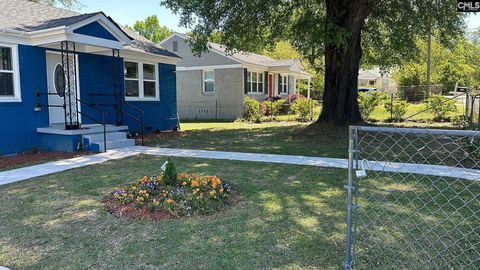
414,199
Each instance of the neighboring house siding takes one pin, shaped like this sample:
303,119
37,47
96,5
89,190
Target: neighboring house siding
225,103
95,30
18,129
191,60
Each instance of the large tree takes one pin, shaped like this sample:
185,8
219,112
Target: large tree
69,4
341,31
151,29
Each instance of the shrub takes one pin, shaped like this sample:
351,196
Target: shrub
170,174
461,121
294,97
273,107
398,110
368,102
190,194
440,106
302,107
251,110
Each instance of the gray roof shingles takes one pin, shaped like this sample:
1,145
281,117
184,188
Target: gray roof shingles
28,16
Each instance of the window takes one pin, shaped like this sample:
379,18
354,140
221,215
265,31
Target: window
175,46
208,81
283,84
255,82
141,81
9,86
371,82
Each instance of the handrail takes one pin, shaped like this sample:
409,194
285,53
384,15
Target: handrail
104,123
139,120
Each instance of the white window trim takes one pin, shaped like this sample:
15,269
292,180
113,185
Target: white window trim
140,80
259,74
17,96
203,81
284,84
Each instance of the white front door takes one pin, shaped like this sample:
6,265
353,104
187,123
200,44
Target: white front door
57,87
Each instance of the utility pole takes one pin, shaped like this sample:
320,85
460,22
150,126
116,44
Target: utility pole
429,53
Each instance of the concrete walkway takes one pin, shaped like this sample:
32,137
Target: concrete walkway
20,174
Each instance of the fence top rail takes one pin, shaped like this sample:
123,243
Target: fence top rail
448,132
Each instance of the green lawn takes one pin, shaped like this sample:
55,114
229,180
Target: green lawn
289,217
291,138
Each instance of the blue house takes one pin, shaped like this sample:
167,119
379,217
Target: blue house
71,81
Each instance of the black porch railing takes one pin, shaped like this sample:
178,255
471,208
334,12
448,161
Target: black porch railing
121,112
102,122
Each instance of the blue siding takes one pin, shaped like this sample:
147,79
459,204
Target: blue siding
19,121
96,76
95,29
159,115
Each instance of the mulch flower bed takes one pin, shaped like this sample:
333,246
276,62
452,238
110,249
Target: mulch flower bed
170,195
35,157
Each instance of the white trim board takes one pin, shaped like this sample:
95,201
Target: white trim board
183,68
17,91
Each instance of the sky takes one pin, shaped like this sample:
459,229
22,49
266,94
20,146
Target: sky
129,11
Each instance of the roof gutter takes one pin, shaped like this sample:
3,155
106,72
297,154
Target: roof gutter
13,32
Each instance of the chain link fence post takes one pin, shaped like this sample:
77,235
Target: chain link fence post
350,188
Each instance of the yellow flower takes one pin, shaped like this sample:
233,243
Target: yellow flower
194,184
170,201
213,193
184,183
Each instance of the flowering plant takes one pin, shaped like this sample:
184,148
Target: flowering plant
190,194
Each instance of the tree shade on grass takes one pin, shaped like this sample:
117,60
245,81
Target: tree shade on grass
288,217
383,32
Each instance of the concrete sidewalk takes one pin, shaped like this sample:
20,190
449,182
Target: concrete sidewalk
20,174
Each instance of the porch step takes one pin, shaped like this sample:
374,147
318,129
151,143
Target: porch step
111,136
117,139
98,146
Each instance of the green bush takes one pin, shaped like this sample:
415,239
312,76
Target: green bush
273,107
302,107
251,110
397,109
440,106
368,101
170,175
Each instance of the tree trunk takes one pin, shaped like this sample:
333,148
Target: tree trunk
342,62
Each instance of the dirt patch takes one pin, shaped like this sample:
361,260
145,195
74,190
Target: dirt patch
129,211
37,157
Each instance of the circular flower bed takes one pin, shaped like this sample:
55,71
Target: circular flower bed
164,197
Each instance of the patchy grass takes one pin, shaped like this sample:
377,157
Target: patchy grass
416,113
289,217
291,138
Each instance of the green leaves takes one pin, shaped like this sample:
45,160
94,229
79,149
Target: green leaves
151,29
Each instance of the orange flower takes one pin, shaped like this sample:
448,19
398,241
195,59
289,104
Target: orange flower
213,193
194,184
221,190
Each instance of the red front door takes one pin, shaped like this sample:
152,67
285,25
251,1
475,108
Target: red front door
270,85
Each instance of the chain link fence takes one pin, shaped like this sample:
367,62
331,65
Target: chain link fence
413,199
